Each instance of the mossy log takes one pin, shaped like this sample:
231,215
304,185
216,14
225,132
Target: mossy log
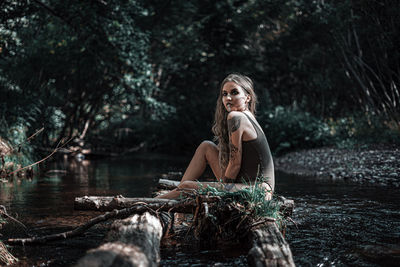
269,247
134,241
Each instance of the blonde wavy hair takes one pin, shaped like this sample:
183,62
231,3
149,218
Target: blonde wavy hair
220,126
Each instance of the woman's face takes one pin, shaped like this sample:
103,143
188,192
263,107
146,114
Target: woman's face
234,97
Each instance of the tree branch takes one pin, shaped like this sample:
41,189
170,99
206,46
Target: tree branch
139,207
37,162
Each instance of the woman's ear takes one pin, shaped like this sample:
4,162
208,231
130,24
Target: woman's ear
248,99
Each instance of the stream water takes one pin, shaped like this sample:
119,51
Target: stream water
337,223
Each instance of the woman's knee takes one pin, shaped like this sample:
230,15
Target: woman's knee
205,146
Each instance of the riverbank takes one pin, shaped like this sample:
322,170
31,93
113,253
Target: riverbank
375,164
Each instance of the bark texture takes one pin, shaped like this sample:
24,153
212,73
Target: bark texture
269,247
6,257
107,203
134,241
167,184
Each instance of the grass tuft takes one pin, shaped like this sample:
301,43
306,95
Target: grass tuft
250,200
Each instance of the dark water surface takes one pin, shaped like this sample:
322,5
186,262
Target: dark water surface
337,223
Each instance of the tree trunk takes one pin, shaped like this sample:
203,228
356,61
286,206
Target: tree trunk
134,241
269,247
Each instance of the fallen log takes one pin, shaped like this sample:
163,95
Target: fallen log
167,184
269,247
229,221
115,214
172,175
287,205
6,257
134,241
107,203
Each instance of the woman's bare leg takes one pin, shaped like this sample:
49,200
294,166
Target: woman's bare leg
206,153
186,186
181,190
230,187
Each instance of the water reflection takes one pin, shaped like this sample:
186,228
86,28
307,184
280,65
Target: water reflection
54,192
338,223
341,223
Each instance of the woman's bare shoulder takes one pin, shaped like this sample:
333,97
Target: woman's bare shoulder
238,116
235,114
237,120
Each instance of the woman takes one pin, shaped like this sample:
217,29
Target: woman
242,153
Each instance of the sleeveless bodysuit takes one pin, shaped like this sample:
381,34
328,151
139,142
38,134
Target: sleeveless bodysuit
256,159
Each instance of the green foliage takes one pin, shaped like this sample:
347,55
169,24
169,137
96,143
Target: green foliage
360,129
14,149
153,67
289,48
251,199
291,128
17,117
87,62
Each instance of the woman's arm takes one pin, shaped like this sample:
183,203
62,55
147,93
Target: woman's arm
235,130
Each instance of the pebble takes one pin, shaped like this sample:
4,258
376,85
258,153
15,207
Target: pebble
378,166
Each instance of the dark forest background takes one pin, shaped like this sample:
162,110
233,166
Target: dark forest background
119,73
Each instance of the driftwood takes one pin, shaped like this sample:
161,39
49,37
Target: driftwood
269,247
115,214
107,203
134,241
266,243
229,223
287,205
6,257
167,184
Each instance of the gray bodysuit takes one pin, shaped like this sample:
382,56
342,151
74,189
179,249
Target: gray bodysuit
256,159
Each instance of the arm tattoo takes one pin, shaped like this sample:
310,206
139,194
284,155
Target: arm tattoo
233,124
233,150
